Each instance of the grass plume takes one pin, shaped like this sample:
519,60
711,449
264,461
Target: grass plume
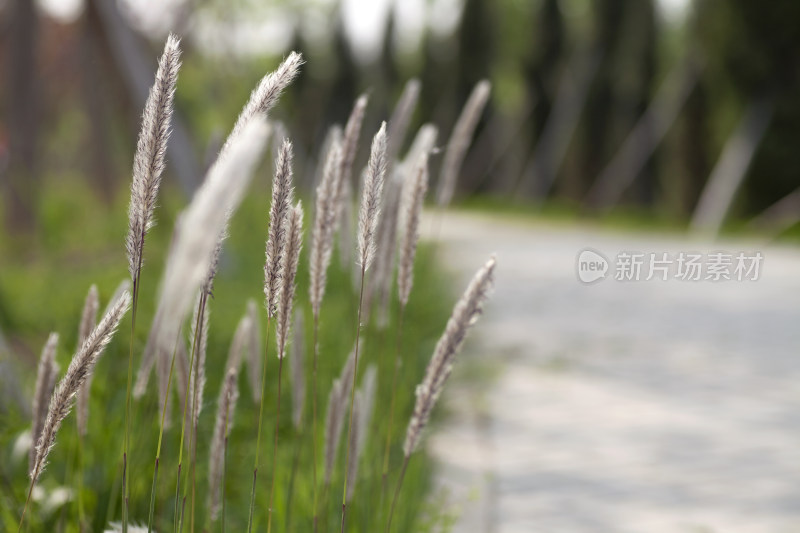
266,94
148,164
45,382
63,396
460,140
367,226
226,405
282,193
465,313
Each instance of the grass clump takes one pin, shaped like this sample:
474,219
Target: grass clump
99,471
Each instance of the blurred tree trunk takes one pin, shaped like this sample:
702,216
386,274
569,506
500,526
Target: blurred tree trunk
643,139
475,46
541,70
643,23
599,113
476,55
550,150
93,96
694,148
22,111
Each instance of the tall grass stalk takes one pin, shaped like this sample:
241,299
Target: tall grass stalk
412,201
465,313
63,396
291,256
158,448
395,365
280,207
178,516
258,434
325,214
297,376
87,324
198,381
226,405
148,164
368,225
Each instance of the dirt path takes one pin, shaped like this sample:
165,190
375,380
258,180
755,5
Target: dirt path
651,406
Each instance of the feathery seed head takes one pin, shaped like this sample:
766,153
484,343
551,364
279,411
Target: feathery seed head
82,365
226,405
337,408
460,140
371,199
241,337
188,262
465,314
280,207
352,133
412,209
148,163
266,94
296,370
291,258
124,285
324,225
45,382
87,324
401,116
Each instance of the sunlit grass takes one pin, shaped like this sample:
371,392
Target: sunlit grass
43,282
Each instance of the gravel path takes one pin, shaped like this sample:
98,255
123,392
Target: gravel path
642,407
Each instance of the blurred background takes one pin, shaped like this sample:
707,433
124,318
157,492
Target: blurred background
596,105
651,125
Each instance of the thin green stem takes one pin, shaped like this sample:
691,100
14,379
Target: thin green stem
395,365
396,492
290,497
81,513
160,438
27,500
352,395
195,400
258,436
275,448
314,419
127,445
178,516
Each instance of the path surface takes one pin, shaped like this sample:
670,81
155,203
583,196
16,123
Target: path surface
641,407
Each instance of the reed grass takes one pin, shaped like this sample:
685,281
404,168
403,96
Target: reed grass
290,260
412,209
63,396
326,212
367,227
465,313
148,164
187,283
460,140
